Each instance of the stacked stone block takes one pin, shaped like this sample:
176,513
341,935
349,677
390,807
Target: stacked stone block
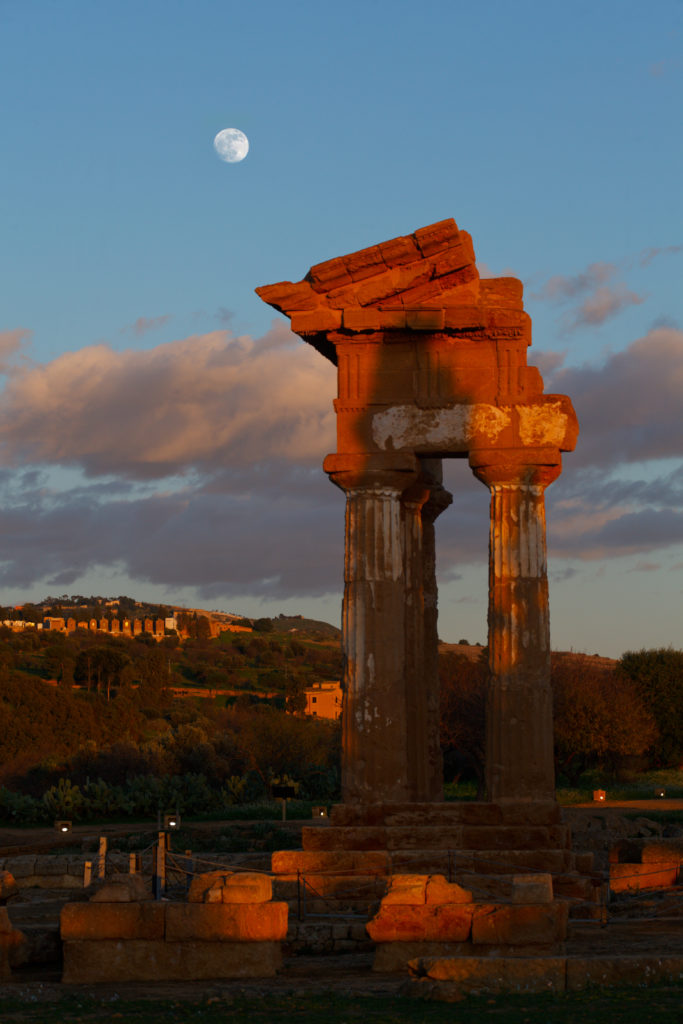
229,928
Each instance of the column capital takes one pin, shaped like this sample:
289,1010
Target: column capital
396,471
530,467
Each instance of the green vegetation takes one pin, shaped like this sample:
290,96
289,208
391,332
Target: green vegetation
612,722
95,726
220,1006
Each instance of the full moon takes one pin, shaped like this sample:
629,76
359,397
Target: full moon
232,145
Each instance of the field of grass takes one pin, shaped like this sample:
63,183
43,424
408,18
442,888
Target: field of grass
640,787
658,1005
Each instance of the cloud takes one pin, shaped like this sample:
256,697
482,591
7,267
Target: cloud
629,408
602,304
601,300
648,255
144,324
197,464
11,343
223,315
268,534
204,402
561,288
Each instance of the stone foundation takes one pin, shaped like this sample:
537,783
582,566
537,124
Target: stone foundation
171,941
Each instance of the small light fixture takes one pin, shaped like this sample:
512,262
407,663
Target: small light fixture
320,812
172,822
660,792
63,826
599,796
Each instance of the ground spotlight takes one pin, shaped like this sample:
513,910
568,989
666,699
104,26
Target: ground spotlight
63,826
599,796
320,812
172,821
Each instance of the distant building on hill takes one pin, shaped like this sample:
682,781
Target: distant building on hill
324,700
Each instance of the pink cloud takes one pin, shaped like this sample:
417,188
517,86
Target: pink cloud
11,342
203,402
560,288
603,304
629,408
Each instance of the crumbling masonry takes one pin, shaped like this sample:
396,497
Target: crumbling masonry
432,363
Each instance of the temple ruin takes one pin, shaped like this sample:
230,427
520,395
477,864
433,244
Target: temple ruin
432,364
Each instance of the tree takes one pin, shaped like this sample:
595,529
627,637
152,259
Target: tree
657,675
600,719
463,716
263,626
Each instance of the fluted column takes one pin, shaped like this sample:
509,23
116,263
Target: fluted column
374,720
438,500
519,719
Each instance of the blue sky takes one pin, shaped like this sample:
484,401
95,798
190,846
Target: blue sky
159,437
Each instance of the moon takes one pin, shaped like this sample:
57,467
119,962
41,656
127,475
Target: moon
232,145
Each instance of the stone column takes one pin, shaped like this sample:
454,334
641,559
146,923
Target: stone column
439,499
374,721
519,718
422,503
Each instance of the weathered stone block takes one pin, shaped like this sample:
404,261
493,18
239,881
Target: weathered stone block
584,862
124,889
288,296
10,942
348,838
462,318
394,957
438,890
230,887
454,258
502,291
398,251
616,971
420,862
313,321
425,319
8,886
519,925
328,275
436,237
491,974
406,890
634,877
112,921
506,837
21,867
532,888
286,862
362,319
139,960
446,923
226,922
424,837
247,887
530,812
662,851
364,263
200,885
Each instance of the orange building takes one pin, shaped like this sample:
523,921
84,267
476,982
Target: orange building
324,700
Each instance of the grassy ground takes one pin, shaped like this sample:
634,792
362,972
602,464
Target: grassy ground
625,1006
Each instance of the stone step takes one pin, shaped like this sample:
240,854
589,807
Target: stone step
509,812
441,862
339,887
329,934
441,837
